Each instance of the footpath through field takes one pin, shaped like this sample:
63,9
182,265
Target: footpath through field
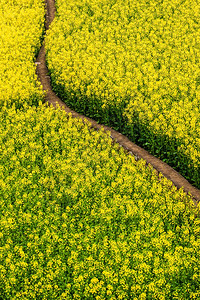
52,99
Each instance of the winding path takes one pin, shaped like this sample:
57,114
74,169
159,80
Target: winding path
42,72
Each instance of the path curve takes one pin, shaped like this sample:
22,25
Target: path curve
52,99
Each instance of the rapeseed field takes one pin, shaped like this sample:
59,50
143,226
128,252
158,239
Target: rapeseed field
82,220
79,218
21,29
133,65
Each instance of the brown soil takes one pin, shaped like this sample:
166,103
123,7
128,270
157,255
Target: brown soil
42,72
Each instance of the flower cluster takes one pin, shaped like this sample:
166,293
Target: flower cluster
22,25
135,66
79,219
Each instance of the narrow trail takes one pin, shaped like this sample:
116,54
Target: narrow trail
52,99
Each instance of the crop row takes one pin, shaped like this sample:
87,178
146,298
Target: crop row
21,27
133,65
82,220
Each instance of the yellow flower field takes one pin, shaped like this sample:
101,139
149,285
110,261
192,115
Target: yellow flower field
21,29
133,65
79,219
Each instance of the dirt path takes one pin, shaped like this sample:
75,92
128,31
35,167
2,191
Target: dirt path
42,72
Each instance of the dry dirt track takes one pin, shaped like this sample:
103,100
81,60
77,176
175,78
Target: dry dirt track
42,72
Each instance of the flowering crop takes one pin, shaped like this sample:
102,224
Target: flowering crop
134,65
79,219
21,29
